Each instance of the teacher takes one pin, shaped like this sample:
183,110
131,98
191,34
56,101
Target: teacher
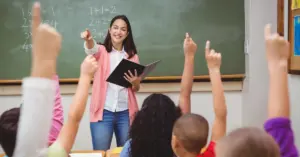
112,107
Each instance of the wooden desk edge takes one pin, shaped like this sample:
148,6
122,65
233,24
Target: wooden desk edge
89,151
162,78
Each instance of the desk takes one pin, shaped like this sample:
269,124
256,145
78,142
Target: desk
89,151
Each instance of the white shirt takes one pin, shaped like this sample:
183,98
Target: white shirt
116,96
35,119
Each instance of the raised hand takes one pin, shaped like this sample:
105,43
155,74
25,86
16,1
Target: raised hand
46,40
213,58
277,48
189,46
46,43
89,66
86,35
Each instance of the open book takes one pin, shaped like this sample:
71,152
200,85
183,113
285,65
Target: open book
117,76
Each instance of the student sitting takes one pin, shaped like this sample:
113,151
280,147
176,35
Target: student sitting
151,131
253,142
9,121
190,132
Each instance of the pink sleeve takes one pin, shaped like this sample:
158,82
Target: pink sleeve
58,115
97,55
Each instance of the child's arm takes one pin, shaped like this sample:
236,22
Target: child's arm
214,62
58,114
68,133
38,90
190,49
278,124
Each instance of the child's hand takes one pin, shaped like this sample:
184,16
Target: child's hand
86,35
277,48
89,66
213,58
45,39
189,46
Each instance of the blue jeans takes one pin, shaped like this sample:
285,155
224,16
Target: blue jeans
102,131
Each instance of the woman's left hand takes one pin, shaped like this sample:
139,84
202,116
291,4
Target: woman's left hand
133,79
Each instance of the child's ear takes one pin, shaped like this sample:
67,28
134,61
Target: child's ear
175,142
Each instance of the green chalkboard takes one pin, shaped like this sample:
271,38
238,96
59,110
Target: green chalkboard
158,27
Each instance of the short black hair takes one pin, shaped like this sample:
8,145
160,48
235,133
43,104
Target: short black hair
9,121
192,132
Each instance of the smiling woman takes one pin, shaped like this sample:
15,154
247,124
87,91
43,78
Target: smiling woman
112,106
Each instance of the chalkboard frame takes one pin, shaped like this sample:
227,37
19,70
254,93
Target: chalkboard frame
202,78
294,64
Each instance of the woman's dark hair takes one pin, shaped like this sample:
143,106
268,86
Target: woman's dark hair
128,42
151,130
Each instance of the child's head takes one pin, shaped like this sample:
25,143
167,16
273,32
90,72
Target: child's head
247,142
190,134
151,130
8,130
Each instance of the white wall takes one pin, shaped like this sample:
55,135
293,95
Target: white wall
245,108
201,104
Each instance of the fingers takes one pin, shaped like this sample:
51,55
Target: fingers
130,74
135,73
36,17
268,31
207,48
88,33
187,37
127,77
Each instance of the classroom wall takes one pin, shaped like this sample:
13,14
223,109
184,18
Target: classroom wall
201,103
245,108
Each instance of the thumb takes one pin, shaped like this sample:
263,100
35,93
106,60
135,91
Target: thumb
88,33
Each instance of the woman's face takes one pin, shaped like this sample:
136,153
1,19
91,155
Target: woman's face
118,31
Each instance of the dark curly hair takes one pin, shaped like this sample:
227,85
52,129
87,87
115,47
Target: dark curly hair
9,121
151,130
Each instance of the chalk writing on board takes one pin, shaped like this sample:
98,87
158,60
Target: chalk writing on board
94,11
26,24
27,46
100,18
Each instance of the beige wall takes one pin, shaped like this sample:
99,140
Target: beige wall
246,105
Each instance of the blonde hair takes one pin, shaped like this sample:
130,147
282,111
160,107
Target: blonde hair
247,142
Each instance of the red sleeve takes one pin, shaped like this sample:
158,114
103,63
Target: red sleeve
210,150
